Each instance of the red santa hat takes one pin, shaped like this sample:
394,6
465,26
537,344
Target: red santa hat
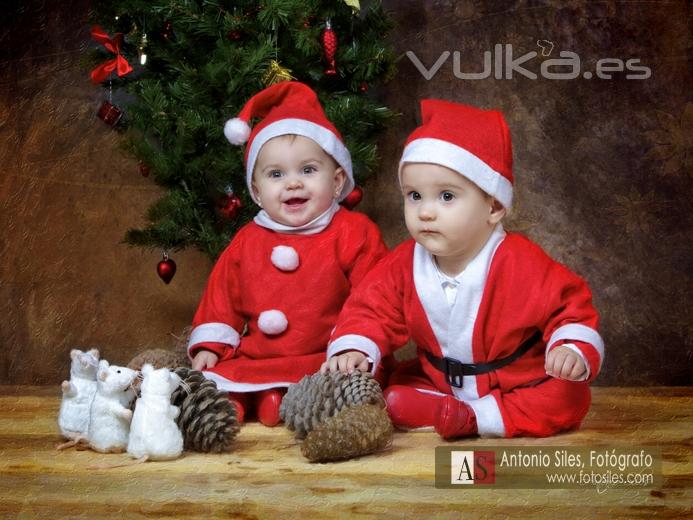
471,141
288,107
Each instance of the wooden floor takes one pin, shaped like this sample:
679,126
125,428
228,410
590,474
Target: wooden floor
266,476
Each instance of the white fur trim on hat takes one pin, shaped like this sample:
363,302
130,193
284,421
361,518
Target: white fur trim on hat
236,131
444,153
327,140
272,322
285,258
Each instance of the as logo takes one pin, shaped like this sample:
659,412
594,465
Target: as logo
472,467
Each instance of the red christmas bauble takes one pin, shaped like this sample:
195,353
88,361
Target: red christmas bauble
234,35
109,114
229,205
329,47
352,200
144,169
166,269
363,87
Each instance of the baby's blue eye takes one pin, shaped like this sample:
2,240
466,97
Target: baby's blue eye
447,196
309,169
275,173
414,195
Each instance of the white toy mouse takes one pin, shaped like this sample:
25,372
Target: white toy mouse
110,416
78,394
154,434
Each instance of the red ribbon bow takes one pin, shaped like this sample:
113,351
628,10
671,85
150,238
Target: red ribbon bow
118,63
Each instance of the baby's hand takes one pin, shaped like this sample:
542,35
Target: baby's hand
346,362
204,359
563,363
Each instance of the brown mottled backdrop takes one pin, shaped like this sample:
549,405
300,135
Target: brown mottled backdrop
603,178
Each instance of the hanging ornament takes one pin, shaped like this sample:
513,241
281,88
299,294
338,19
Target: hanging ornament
166,269
276,74
234,35
144,169
329,47
167,31
142,49
109,113
352,200
363,87
118,64
354,4
229,204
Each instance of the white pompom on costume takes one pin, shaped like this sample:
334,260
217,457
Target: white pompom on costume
285,258
236,131
272,322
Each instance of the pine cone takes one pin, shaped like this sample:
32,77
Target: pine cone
180,347
355,431
207,418
157,357
318,397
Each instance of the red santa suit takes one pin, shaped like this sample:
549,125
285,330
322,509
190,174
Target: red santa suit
286,290
508,291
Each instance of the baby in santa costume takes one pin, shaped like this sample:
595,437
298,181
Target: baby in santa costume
506,337
285,276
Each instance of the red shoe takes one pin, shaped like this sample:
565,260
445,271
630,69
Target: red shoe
242,402
267,406
455,419
410,408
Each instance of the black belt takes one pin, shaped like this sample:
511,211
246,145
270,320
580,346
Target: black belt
454,370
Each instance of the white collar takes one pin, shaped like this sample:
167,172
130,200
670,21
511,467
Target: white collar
314,226
487,249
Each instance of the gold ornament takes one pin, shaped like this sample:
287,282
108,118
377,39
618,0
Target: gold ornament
354,4
276,74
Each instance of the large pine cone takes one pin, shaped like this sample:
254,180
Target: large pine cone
207,418
355,431
317,397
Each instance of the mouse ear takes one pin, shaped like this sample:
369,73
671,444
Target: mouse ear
94,352
74,353
147,368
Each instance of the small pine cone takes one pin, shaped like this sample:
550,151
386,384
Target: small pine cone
318,397
207,418
355,431
180,347
157,357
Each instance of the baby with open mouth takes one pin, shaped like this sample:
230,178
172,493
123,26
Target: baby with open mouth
284,276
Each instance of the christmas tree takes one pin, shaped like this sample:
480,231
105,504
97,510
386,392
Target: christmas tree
196,62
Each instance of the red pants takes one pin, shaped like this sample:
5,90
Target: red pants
542,410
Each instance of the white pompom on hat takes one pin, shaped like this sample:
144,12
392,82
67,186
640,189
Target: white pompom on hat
471,141
289,107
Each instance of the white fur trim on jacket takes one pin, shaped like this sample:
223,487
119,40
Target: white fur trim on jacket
214,333
226,385
356,342
437,151
578,332
321,135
